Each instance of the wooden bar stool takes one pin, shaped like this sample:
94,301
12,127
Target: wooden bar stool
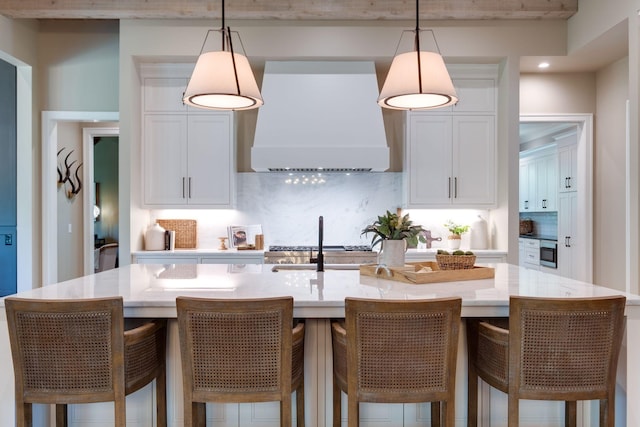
396,352
243,350
77,351
554,349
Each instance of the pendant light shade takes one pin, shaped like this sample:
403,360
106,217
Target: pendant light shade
409,86
222,79
417,79
213,83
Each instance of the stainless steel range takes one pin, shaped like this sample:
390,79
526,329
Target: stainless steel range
339,254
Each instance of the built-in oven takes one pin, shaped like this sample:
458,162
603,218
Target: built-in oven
549,253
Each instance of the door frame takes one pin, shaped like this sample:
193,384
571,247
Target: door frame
88,136
50,120
584,124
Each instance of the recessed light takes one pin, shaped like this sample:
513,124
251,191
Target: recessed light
543,65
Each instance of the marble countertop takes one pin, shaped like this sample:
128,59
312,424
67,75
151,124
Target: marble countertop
202,251
150,289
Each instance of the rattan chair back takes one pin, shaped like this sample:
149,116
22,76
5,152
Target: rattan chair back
76,351
554,349
397,352
242,350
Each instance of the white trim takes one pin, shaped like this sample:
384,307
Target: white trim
585,177
88,135
50,121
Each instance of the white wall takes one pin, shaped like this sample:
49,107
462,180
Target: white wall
610,176
78,65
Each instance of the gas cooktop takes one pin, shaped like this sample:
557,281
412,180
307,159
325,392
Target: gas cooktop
346,248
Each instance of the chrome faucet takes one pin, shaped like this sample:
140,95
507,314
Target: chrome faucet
428,239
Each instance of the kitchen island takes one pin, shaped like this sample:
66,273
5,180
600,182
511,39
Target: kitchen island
150,290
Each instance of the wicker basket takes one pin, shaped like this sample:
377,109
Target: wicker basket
455,262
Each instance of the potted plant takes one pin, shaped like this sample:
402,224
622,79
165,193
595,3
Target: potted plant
394,232
456,231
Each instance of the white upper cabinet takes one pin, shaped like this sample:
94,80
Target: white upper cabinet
568,167
451,161
538,181
188,155
451,152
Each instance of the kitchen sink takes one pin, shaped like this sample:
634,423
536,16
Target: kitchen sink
279,267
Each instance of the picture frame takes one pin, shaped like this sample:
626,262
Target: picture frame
243,235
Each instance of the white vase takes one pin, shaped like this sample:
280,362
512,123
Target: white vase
453,241
392,253
154,238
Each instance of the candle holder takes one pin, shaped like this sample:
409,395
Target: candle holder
223,246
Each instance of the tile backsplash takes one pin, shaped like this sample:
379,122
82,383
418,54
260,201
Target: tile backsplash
544,223
289,211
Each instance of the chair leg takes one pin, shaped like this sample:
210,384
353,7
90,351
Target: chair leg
354,411
121,411
337,405
300,405
436,416
570,413
161,398
285,411
198,414
24,417
472,397
607,412
514,411
61,415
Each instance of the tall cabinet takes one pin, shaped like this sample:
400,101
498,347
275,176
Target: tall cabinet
188,154
451,152
569,241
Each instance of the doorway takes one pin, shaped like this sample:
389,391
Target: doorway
100,154
583,123
50,123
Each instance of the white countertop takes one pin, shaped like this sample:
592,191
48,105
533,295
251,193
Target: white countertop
202,252
150,290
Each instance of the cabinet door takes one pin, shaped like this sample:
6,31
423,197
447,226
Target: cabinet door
474,156
568,240
568,165
429,160
546,179
163,95
211,160
476,95
526,188
165,159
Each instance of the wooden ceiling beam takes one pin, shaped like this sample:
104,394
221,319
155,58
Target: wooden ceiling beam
356,10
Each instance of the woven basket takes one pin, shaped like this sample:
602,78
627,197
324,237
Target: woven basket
455,262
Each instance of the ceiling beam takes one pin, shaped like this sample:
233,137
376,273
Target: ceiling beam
290,9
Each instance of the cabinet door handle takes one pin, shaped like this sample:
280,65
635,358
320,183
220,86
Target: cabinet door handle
567,241
189,187
455,187
569,182
544,203
566,182
449,196
526,204
183,186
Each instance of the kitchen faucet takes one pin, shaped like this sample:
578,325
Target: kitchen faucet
320,260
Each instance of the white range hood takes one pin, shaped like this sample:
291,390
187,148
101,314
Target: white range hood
320,115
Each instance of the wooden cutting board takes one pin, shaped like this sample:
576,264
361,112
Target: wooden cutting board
412,273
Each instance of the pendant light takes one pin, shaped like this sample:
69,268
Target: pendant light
417,80
223,79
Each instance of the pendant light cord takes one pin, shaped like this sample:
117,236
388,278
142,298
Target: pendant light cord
226,37
417,45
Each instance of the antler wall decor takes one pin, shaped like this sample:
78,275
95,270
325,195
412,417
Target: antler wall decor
74,181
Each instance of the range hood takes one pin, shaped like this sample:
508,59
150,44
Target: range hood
320,115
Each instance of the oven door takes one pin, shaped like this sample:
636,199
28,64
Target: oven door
549,253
